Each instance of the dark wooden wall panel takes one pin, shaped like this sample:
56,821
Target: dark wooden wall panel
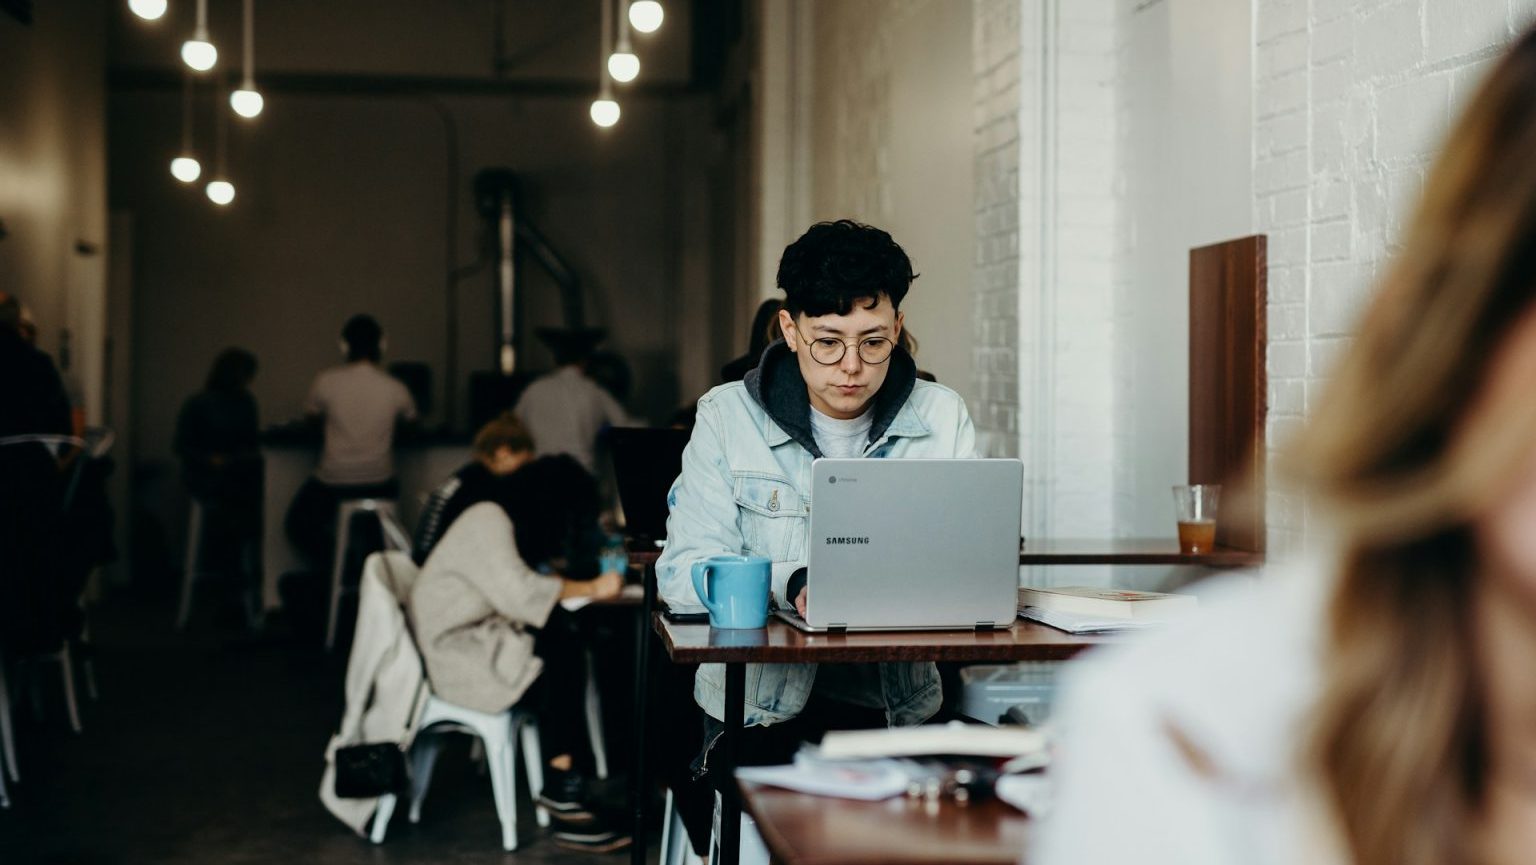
1228,387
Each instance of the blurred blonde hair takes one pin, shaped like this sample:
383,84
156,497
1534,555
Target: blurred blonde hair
503,431
1420,431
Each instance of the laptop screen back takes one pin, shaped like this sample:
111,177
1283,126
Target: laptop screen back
914,543
645,463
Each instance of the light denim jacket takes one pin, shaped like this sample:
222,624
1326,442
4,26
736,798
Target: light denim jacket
745,488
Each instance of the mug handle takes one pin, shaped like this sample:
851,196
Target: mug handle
701,573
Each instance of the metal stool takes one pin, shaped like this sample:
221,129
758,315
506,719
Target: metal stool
190,575
189,567
394,539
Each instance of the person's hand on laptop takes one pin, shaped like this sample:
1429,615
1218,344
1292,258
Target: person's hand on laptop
800,601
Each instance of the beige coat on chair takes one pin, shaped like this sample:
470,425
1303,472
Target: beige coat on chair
471,610
385,687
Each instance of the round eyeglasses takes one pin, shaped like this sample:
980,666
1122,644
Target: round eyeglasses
829,351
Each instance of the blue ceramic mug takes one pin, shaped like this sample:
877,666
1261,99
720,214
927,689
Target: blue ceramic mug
734,589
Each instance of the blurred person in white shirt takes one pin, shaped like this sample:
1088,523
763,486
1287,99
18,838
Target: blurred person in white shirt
359,406
565,410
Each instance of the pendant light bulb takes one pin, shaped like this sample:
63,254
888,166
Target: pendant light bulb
646,15
246,101
605,112
199,53
623,66
221,192
149,10
186,169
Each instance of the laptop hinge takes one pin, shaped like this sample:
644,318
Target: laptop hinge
985,626
837,626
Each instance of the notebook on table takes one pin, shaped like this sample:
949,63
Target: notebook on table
899,545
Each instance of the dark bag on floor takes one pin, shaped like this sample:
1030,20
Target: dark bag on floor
369,771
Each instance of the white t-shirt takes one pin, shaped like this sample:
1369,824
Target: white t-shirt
841,439
360,404
565,410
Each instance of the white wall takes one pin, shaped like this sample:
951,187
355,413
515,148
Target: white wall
53,184
1184,162
1351,101
865,114
1109,137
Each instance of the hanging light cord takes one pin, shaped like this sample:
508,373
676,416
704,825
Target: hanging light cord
186,113
602,64
250,45
219,132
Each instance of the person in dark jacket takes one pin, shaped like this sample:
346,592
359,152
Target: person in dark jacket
217,440
501,447
35,611
765,324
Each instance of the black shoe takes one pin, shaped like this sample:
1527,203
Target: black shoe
596,837
565,797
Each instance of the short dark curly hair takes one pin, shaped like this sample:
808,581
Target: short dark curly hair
837,263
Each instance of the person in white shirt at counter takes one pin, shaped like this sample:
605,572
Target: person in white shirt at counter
565,410
360,406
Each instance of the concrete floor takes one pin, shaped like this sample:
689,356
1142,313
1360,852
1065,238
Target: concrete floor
206,749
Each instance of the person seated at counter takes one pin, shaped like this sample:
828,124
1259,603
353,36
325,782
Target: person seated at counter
359,406
501,447
486,615
565,409
217,437
837,384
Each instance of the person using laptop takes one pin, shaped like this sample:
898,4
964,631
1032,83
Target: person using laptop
837,384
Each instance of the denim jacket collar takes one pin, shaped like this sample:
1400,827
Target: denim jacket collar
777,386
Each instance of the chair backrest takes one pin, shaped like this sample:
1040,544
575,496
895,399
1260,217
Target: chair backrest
645,463
56,444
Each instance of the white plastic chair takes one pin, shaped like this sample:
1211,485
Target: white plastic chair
191,573
395,538
675,847
194,557
594,707
500,735
7,742
753,850
95,445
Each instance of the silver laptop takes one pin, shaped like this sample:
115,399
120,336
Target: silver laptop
912,545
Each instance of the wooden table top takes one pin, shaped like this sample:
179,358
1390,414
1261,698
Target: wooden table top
639,558
1090,551
1129,551
698,643
801,829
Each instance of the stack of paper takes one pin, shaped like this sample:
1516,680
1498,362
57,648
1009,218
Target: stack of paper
1078,623
868,780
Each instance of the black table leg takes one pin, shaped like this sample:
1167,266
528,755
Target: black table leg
640,789
730,799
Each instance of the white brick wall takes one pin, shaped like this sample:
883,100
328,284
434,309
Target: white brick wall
995,276
1374,86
